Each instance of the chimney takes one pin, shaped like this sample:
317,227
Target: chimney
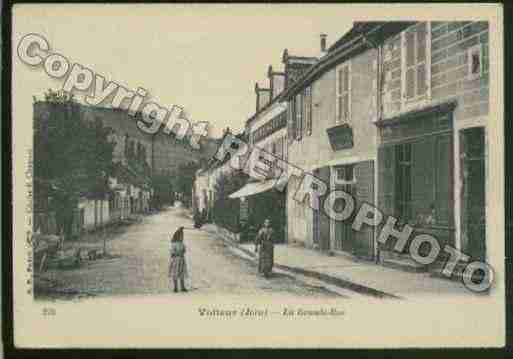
263,96
323,44
276,82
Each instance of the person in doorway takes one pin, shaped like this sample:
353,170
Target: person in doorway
265,247
177,263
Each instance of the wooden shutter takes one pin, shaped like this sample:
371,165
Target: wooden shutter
444,180
410,65
308,111
386,183
363,244
422,176
299,116
416,82
324,221
473,200
421,53
292,119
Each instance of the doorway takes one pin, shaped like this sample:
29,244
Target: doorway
344,179
473,216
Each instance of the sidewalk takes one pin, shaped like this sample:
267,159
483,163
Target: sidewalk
360,276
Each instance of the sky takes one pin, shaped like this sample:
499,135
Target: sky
205,58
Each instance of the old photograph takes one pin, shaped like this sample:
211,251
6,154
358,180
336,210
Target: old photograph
246,175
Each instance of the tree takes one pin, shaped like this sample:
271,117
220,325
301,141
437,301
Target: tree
162,188
227,210
72,157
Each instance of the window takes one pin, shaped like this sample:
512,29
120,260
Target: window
343,112
299,116
415,62
308,110
345,174
475,56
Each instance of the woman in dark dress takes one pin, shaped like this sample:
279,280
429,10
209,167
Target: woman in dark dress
177,263
264,241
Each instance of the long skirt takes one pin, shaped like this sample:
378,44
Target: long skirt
266,258
177,268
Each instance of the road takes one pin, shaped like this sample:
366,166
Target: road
142,266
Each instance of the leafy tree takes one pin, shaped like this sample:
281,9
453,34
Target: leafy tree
72,157
227,210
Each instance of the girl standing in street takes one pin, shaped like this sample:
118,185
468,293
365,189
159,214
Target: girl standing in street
177,263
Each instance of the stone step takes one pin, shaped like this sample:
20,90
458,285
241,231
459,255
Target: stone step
405,264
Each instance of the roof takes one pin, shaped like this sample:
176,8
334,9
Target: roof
286,58
350,44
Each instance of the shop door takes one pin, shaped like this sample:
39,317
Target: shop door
473,216
344,180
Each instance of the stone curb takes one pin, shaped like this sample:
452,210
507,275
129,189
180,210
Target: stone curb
339,282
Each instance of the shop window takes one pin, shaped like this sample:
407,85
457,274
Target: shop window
343,103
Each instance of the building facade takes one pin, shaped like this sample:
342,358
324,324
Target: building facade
433,131
266,130
396,114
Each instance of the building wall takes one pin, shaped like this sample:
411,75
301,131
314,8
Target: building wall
278,137
314,151
450,49
96,213
123,125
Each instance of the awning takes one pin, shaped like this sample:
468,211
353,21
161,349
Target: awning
253,188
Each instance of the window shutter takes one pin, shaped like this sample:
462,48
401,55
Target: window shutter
423,176
324,223
345,112
308,111
421,79
364,239
410,48
292,119
386,184
444,191
345,82
299,117
340,106
421,43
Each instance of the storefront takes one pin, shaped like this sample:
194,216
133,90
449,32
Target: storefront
415,174
260,201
